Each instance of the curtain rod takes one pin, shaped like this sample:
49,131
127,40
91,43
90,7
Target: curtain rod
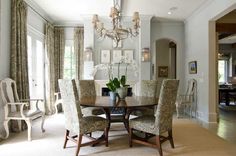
68,26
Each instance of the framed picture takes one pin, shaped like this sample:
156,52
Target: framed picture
119,45
163,71
116,56
129,54
105,56
192,67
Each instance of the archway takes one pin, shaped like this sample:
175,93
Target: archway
165,60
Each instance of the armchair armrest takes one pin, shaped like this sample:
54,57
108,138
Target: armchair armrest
22,104
29,100
184,98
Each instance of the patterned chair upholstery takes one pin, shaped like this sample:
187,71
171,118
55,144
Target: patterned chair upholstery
148,88
162,121
87,88
75,122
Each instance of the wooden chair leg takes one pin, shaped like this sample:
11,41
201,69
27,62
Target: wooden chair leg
171,138
78,144
130,137
106,136
66,139
158,143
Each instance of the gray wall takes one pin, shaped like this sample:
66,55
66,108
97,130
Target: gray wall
4,48
199,35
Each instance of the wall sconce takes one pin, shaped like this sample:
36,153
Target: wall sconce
88,54
145,55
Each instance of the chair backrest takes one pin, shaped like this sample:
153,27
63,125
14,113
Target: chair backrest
71,106
166,105
149,88
86,88
8,90
191,89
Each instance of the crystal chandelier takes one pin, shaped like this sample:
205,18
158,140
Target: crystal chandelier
117,33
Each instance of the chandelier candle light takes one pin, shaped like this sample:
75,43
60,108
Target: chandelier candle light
117,33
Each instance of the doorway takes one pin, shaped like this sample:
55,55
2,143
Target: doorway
165,60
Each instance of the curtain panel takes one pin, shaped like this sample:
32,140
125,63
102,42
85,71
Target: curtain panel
18,56
55,47
18,52
79,50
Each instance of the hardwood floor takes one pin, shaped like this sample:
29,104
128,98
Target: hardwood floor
226,127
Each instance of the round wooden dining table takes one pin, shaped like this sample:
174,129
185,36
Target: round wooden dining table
129,104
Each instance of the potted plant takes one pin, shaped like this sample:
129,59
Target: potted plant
112,85
122,90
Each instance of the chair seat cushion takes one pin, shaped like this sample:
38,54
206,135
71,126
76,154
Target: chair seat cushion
144,123
92,123
88,111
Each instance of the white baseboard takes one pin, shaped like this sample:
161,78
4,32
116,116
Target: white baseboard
207,118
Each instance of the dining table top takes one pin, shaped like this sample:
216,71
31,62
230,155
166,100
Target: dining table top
128,102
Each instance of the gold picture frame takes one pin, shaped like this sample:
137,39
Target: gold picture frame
162,71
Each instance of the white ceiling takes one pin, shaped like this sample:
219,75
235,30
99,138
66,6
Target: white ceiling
74,10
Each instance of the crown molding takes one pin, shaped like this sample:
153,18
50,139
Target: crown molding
39,10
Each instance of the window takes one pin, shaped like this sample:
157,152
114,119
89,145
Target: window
35,58
222,71
69,61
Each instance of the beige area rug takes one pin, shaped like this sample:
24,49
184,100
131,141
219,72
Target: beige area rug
190,140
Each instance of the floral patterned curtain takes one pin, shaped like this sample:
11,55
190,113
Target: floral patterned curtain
79,49
18,53
55,47
18,59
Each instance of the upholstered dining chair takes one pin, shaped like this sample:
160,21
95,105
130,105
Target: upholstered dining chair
161,122
16,109
186,103
75,122
86,88
147,88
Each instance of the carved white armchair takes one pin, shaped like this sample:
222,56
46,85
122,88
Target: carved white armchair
15,109
186,103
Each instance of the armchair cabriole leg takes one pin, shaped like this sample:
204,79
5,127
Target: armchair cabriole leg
6,128
29,125
42,123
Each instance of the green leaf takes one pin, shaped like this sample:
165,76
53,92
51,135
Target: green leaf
123,80
111,86
116,82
